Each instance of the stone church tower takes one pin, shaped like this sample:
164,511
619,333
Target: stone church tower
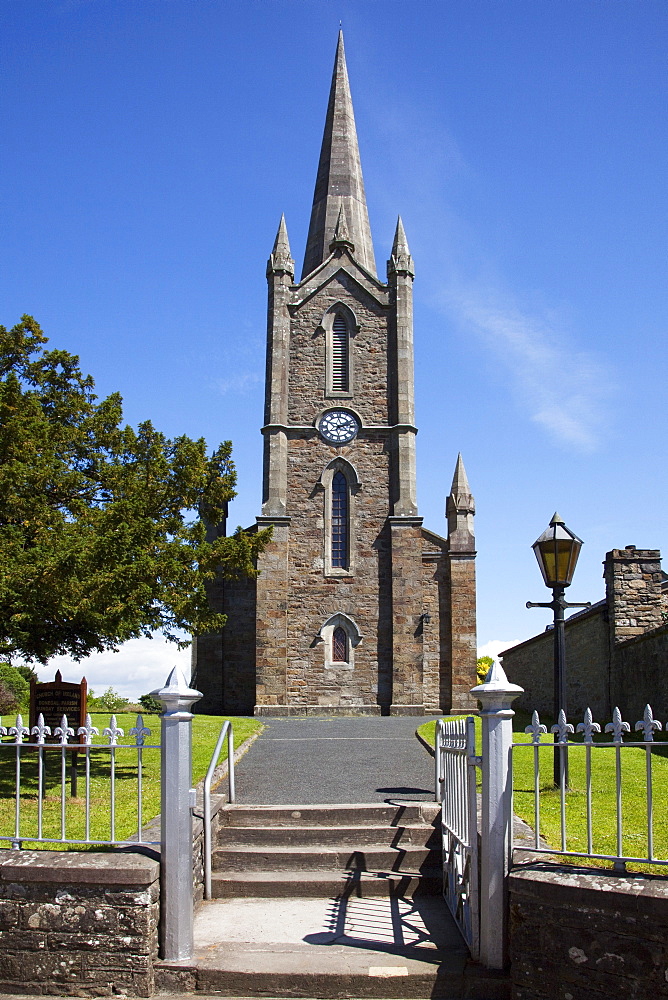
357,607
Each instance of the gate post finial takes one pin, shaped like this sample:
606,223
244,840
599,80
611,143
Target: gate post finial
176,839
495,695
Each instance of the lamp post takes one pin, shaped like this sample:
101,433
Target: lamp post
557,551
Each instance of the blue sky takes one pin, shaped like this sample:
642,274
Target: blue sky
149,148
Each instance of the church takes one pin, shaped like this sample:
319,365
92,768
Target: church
357,608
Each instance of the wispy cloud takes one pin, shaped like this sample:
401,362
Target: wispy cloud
238,384
564,389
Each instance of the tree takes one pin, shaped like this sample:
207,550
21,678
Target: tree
103,529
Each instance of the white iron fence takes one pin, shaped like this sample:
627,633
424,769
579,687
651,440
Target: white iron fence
456,789
34,764
576,807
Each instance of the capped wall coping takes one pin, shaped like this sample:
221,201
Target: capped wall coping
596,609
113,868
568,885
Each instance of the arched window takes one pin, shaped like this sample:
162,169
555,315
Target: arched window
339,645
339,371
339,534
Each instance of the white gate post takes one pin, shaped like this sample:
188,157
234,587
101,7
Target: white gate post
176,838
495,695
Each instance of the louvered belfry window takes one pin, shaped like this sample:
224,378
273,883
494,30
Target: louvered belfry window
340,380
340,521
339,645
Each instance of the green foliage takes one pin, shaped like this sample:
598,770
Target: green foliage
150,704
483,665
8,700
12,679
103,535
109,701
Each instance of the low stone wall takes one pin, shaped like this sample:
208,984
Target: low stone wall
78,923
639,675
577,934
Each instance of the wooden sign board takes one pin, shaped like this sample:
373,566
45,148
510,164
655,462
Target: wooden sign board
55,699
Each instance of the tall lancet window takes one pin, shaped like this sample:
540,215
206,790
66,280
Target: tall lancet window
339,521
339,645
340,376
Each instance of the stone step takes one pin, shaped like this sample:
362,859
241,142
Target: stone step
311,884
366,814
330,858
322,948
353,837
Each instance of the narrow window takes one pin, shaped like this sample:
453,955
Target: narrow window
339,645
340,380
340,521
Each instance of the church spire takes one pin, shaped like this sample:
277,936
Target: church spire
339,182
460,510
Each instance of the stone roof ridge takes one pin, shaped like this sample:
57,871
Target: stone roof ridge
339,179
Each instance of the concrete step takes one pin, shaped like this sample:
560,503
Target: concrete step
318,858
416,835
313,884
319,948
366,814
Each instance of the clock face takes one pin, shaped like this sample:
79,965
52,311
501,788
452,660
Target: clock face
338,426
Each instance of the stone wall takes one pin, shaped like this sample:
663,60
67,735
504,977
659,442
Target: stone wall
635,600
531,665
639,675
78,923
576,934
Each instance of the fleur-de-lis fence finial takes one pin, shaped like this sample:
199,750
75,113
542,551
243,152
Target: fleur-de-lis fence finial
648,725
19,730
113,731
588,727
3,730
140,732
617,727
40,730
88,732
562,728
536,729
63,730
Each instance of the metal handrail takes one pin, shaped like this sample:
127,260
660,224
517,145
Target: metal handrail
438,776
226,730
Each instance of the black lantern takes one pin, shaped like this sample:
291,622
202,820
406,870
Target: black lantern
557,552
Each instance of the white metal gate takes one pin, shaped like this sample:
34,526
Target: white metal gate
456,789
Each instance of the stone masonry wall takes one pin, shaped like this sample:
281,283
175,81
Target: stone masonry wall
78,924
639,675
531,665
576,934
633,591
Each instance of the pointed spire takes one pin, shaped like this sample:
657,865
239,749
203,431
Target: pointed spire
401,261
280,261
460,482
341,236
459,510
339,181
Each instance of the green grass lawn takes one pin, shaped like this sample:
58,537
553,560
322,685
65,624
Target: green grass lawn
603,781
205,733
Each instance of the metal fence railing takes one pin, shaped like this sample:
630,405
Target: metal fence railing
34,765
577,805
455,763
